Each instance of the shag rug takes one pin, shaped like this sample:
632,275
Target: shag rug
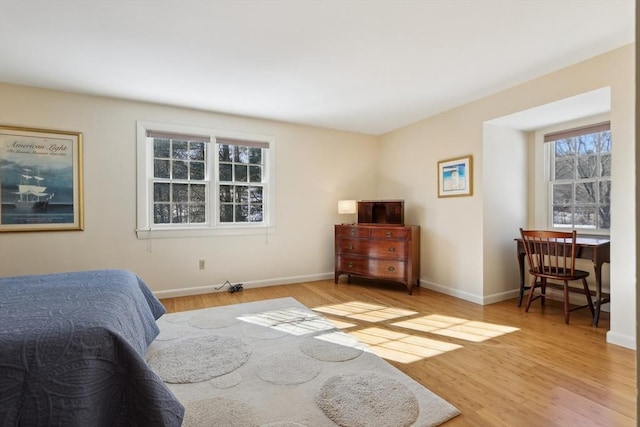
276,363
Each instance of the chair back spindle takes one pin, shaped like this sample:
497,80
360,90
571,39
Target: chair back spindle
550,252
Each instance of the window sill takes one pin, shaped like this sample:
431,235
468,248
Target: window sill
203,232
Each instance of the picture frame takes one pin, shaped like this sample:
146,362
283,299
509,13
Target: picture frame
455,177
40,180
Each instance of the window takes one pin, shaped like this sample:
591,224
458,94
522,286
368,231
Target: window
240,180
180,182
195,181
580,177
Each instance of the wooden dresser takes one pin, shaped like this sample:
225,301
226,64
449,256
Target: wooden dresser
388,252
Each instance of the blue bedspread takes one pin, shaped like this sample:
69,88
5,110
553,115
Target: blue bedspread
72,352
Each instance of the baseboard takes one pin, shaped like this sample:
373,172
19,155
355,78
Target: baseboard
477,299
451,291
621,340
171,293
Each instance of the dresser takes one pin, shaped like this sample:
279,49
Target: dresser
387,252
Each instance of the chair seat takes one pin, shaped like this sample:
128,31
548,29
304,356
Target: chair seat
560,274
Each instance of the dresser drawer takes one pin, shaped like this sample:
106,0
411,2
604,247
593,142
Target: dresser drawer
390,233
389,269
352,265
352,246
351,231
390,249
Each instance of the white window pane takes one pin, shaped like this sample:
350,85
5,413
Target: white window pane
585,193
161,192
197,213
180,192
226,213
240,173
565,168
196,171
179,169
179,149
226,172
161,168
161,213
585,217
562,216
161,148
180,213
562,194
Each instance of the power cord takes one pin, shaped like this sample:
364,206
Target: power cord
232,288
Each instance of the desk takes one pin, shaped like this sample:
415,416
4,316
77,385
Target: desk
598,250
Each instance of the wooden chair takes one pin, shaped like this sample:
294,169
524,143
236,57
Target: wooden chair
552,256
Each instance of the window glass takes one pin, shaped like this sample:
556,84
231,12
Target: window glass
581,181
239,165
179,164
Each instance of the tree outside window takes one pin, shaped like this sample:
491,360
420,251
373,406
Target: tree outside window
581,180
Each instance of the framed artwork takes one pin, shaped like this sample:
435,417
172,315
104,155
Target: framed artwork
455,177
40,180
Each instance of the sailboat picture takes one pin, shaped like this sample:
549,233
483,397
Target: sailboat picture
31,194
40,180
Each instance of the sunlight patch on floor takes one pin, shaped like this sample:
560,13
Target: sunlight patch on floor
340,324
401,347
406,347
453,327
365,311
290,320
344,339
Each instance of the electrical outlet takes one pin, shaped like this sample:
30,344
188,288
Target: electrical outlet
201,264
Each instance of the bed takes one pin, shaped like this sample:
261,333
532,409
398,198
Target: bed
72,352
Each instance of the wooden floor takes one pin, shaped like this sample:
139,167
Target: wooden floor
499,365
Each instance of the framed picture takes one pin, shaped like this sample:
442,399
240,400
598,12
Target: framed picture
455,177
40,179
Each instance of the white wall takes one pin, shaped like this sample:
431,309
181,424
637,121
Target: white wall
504,180
315,168
453,230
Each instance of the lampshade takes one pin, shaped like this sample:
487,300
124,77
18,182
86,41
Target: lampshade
347,206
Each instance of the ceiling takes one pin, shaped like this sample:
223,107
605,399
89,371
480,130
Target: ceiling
363,66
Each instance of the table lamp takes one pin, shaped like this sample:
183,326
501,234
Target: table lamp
347,207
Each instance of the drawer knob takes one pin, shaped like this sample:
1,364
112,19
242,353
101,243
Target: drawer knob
391,269
350,265
392,249
389,233
350,246
352,232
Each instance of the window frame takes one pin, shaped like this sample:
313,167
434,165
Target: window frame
543,197
146,229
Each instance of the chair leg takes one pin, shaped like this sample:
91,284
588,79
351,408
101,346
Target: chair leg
566,301
588,295
531,291
543,291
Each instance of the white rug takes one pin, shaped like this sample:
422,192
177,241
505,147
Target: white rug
276,363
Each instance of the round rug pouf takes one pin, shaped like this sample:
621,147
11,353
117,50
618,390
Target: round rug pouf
199,359
171,331
212,319
329,351
262,332
219,412
288,368
367,399
227,381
